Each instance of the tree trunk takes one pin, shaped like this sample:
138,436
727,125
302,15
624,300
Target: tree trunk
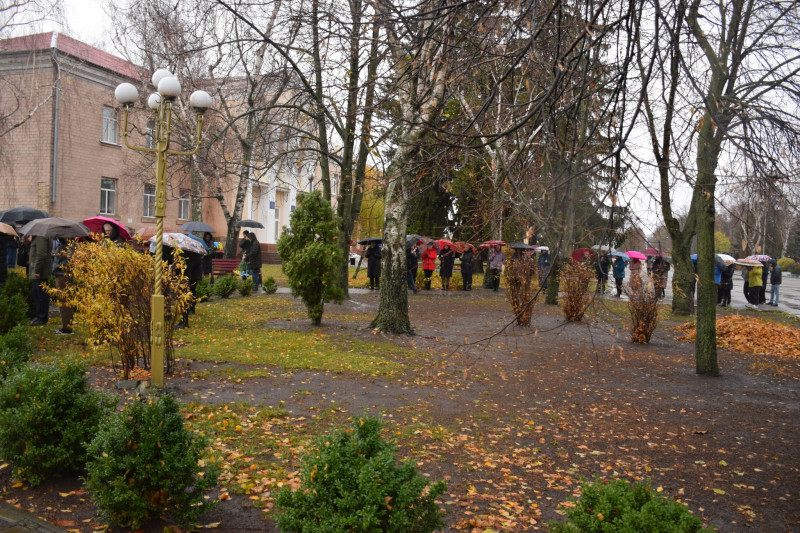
392,313
682,277
706,338
551,294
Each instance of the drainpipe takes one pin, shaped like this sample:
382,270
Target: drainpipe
54,170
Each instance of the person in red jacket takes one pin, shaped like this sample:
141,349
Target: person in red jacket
428,264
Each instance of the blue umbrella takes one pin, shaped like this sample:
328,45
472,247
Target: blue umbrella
693,257
623,255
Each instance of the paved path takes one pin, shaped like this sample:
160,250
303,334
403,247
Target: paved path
15,520
789,296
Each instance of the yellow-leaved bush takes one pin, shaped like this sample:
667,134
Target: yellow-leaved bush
110,287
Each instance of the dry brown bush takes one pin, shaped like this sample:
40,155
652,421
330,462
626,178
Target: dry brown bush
643,305
522,288
575,279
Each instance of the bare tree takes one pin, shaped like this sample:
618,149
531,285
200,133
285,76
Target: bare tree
730,75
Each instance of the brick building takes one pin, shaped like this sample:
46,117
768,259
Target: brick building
67,155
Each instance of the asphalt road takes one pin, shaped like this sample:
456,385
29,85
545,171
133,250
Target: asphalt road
789,298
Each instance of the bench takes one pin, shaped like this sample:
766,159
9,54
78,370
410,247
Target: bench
220,267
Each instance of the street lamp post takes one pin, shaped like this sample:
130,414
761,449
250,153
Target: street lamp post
169,88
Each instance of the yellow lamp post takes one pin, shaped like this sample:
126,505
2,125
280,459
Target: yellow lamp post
169,88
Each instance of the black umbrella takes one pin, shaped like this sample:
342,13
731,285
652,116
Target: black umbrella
21,215
249,224
370,240
413,238
197,226
55,227
521,246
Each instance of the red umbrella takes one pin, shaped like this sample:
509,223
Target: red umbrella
95,225
577,255
652,252
462,246
444,242
633,254
492,244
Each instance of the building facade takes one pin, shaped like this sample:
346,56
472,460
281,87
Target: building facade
62,147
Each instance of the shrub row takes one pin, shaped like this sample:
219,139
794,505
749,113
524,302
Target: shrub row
139,464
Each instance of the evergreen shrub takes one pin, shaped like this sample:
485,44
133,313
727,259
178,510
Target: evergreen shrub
350,481
13,311
246,286
18,284
15,351
269,285
616,505
47,415
202,289
146,464
224,286
310,255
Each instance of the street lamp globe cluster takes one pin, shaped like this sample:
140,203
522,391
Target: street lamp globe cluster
169,88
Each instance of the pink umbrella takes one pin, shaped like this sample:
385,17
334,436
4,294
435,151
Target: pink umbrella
633,254
95,225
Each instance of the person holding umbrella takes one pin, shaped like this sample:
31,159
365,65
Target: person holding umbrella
619,273
467,258
497,260
208,266
253,258
111,232
40,266
754,281
601,268
6,241
429,264
373,255
726,285
446,261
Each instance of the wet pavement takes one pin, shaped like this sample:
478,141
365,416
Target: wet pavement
15,520
788,302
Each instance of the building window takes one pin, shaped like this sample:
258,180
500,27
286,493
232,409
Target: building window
149,208
109,125
334,185
277,222
108,196
150,134
184,204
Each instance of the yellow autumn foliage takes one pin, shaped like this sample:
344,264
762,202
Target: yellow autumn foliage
110,288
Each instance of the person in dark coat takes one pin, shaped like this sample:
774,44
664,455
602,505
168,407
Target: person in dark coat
543,266
23,249
253,259
467,258
726,285
40,268
111,232
447,259
619,274
775,278
412,264
11,252
601,268
5,242
373,255
208,267
244,243
194,273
